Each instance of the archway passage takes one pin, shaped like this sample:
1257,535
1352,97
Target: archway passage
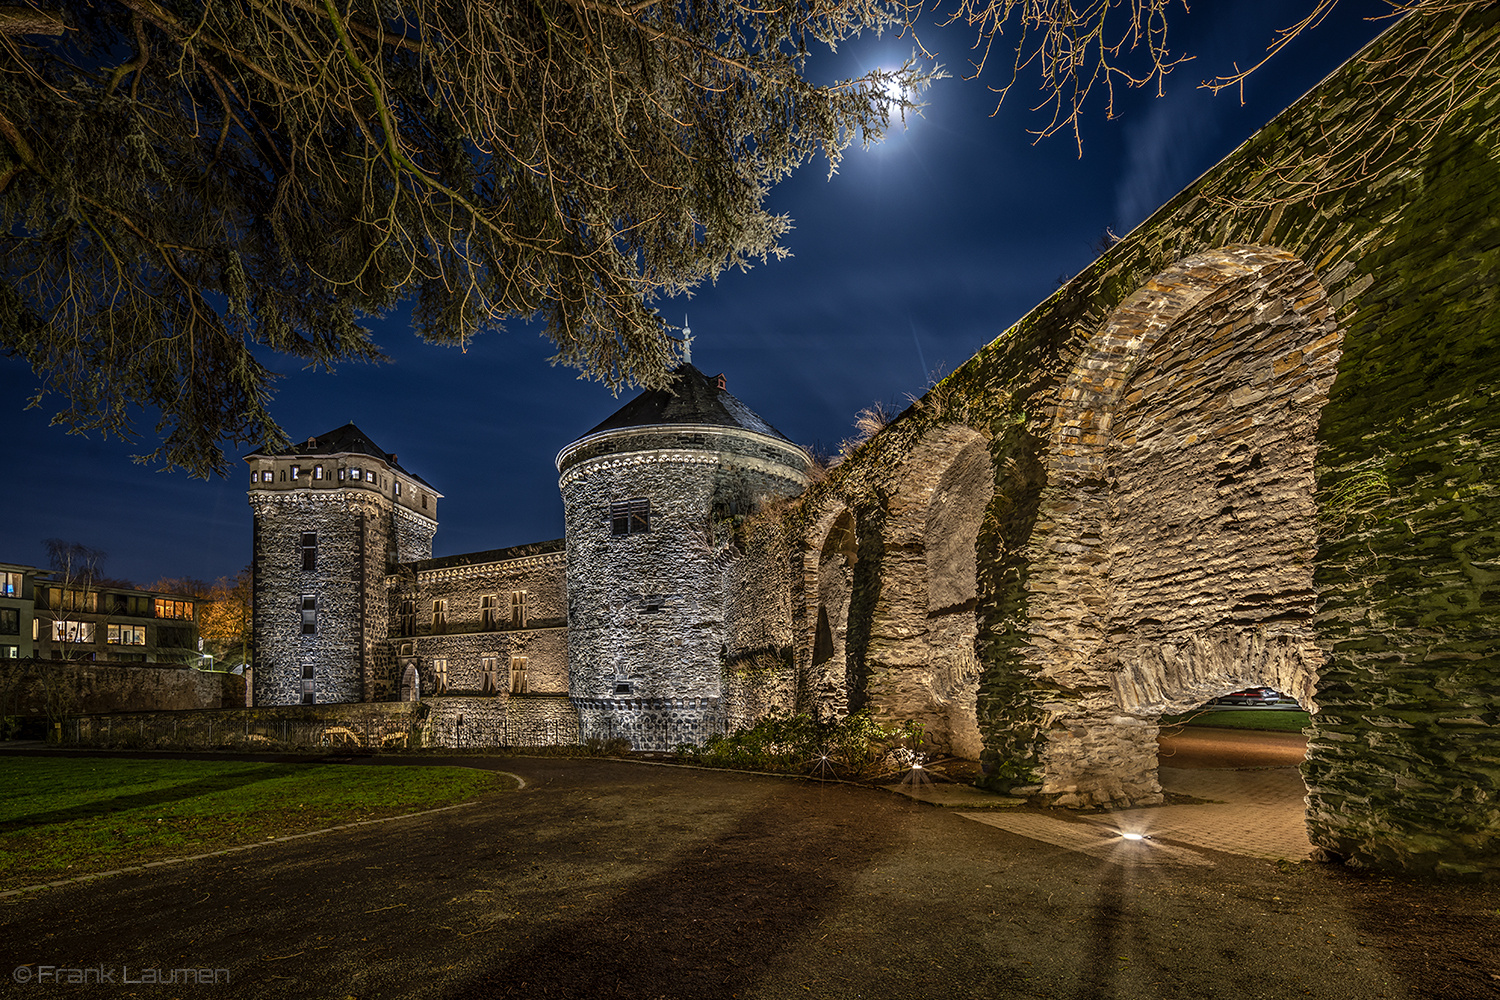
826,683
1177,563
922,658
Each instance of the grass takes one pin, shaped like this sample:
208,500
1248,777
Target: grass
1273,721
65,817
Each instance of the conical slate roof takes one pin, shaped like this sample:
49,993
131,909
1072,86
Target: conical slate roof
690,398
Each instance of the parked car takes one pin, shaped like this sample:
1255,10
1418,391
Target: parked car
1250,696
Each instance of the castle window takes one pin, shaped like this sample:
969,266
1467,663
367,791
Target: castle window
424,501
356,474
439,615
296,471
489,668
518,609
309,684
518,675
398,487
309,614
439,676
266,476
489,612
317,472
341,475
309,550
407,618
630,517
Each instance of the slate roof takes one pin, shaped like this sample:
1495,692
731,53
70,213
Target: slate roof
490,555
345,440
691,398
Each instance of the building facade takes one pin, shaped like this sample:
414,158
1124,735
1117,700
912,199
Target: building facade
618,630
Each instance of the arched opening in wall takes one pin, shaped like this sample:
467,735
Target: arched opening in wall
1177,560
411,683
827,679
923,664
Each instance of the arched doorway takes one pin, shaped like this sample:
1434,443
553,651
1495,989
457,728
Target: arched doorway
826,680
1177,554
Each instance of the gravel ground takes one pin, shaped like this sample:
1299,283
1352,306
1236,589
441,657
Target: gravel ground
619,879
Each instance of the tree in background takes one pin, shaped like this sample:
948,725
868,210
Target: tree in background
189,189
223,613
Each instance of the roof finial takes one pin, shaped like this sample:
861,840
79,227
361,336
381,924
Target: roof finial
687,341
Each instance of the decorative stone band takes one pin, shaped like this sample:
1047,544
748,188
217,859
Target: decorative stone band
353,499
450,573
620,441
682,456
645,704
415,518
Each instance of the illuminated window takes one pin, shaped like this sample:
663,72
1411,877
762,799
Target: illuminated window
126,635
10,584
341,475
317,472
489,669
309,550
309,614
398,487
440,676
518,611
356,474
439,615
66,631
518,675
266,476
166,608
10,652
296,471
630,517
489,612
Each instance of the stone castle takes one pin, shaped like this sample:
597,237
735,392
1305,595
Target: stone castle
1256,442
619,630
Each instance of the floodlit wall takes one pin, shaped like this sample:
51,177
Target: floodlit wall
1255,442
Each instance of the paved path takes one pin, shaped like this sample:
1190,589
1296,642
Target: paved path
611,879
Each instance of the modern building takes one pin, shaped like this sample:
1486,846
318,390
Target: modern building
49,615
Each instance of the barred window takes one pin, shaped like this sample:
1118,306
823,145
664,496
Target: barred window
630,517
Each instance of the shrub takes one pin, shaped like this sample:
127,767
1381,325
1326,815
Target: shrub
853,747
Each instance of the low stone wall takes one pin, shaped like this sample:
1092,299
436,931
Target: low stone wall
37,689
505,721
370,726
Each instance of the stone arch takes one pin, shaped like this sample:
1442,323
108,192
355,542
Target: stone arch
1174,553
833,554
922,655
411,683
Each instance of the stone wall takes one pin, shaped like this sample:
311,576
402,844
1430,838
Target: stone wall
1256,442
29,687
368,726
505,721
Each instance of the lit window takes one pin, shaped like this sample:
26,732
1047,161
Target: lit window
309,614
296,471
439,615
66,631
398,487
518,611
489,668
341,475
309,684
173,609
439,676
518,675
489,612
266,476
356,474
317,472
309,550
10,584
126,635
10,652
630,517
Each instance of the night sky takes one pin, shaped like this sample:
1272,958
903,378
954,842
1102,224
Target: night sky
914,255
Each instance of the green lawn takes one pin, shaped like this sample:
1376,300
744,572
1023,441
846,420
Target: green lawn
71,816
1275,721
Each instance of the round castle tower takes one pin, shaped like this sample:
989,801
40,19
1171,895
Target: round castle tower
646,496
332,517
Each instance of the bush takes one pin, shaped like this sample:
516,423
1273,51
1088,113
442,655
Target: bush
853,747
